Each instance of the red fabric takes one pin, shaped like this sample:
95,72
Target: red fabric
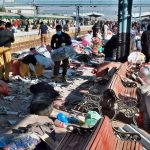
4,88
140,119
15,67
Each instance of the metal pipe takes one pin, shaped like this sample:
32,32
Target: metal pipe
124,24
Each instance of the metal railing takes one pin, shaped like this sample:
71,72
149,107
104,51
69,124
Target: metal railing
145,3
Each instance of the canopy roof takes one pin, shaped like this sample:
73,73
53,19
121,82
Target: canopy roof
95,14
91,14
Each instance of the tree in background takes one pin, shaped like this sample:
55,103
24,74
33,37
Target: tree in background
2,9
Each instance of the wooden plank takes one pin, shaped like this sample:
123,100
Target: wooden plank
63,141
105,140
74,142
101,134
129,145
133,145
67,142
125,144
85,142
93,136
115,144
138,146
119,144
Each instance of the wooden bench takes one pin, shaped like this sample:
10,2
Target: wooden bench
121,94
102,137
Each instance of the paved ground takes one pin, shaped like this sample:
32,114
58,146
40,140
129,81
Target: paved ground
21,98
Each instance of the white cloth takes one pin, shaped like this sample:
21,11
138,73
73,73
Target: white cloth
136,58
46,59
88,37
43,50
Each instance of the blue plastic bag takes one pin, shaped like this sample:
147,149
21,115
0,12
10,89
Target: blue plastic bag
63,118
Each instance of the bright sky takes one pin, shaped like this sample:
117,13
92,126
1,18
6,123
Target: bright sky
101,9
92,1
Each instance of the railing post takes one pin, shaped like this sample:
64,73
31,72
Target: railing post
124,25
77,28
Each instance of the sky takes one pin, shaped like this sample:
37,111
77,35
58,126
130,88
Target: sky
66,1
106,10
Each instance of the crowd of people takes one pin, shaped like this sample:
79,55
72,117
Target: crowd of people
31,24
139,39
102,39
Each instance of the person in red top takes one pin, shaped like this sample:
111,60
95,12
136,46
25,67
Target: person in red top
15,23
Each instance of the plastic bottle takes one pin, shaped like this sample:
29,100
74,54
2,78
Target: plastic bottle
63,118
73,120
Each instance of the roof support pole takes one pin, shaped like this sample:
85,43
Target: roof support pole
124,25
77,20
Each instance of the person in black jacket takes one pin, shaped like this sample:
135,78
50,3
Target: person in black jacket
96,28
58,40
6,38
145,42
2,25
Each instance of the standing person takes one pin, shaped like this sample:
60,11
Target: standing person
43,30
27,25
145,42
60,39
2,25
134,33
6,38
96,28
105,29
66,26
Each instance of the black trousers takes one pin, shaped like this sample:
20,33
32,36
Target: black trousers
65,64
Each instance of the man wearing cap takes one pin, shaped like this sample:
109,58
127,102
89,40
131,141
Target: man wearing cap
6,38
60,39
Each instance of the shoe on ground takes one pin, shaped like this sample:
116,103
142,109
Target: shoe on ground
55,79
63,79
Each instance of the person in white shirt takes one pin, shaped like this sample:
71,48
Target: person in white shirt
106,28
